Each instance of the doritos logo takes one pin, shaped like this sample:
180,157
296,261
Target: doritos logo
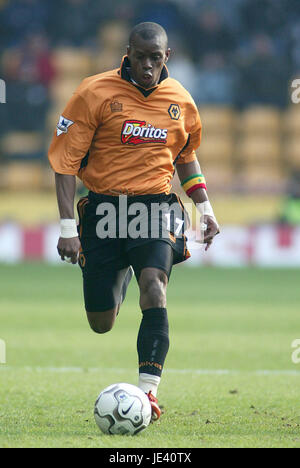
136,132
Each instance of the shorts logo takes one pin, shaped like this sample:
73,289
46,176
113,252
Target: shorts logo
174,111
63,125
82,260
137,132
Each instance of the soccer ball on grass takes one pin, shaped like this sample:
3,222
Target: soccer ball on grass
122,409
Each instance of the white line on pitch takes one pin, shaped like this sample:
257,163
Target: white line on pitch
167,371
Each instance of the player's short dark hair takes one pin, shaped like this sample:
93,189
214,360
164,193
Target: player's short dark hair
148,31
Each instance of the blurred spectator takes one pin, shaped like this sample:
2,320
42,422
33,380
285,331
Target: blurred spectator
294,45
20,17
28,71
111,45
36,64
183,69
264,16
211,36
229,11
263,74
164,12
216,81
75,22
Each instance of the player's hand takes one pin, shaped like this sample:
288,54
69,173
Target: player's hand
212,229
69,248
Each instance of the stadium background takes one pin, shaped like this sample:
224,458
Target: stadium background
237,58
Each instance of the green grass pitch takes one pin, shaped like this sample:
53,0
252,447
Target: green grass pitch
229,380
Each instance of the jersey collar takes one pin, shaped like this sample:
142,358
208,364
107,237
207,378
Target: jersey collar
125,75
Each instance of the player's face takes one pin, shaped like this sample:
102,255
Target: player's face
147,58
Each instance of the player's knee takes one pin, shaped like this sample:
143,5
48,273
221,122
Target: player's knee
101,328
102,322
153,288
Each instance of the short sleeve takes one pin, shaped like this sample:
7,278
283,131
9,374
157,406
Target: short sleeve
73,136
194,128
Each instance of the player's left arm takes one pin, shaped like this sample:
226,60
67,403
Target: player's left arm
189,173
186,173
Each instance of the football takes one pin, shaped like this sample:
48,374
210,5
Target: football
122,408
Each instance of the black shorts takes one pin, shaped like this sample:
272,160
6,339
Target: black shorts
118,232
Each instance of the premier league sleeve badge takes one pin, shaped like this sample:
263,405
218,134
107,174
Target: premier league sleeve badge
63,125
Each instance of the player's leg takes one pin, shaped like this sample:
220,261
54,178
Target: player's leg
103,294
102,322
106,274
153,336
126,281
153,287
152,263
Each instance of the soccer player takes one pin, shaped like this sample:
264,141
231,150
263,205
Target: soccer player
123,133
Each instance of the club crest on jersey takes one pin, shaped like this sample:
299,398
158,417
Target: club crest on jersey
137,132
63,125
174,111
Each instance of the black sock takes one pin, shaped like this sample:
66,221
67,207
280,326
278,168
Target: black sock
153,341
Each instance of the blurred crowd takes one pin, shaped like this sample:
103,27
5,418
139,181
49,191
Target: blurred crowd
232,52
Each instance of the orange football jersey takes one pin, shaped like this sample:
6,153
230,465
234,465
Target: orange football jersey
121,138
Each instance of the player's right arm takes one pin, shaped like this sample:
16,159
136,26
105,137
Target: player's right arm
71,142
68,242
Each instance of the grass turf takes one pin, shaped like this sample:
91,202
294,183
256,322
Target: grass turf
228,382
